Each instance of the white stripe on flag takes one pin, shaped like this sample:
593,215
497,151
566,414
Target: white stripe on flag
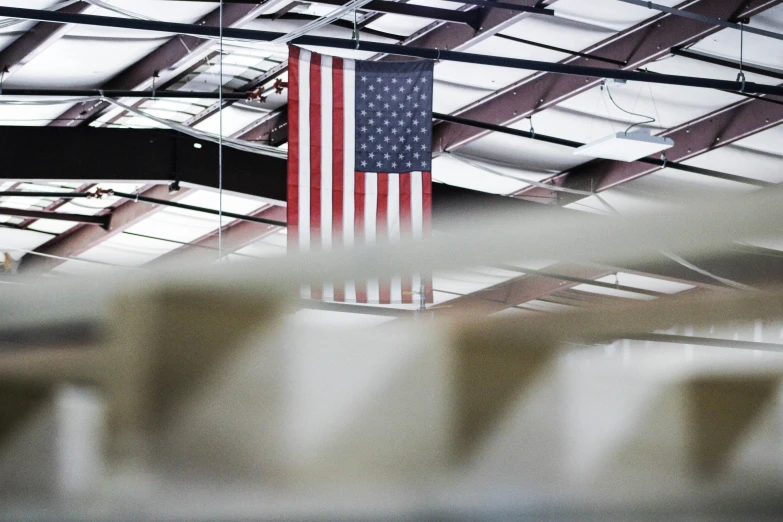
326,164
417,221
370,218
393,221
417,204
304,150
349,138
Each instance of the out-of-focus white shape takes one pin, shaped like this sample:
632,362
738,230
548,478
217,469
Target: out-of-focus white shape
647,283
625,146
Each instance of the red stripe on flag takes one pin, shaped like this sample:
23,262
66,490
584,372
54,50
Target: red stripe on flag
426,186
338,150
361,286
382,232
315,161
406,230
292,214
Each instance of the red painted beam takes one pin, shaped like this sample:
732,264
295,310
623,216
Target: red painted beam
456,37
635,47
35,40
83,237
441,35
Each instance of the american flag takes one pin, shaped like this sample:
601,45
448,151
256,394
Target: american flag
359,157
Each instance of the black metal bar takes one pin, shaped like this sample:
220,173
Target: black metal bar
415,52
701,18
194,208
575,144
561,50
71,195
421,11
58,195
78,93
103,221
705,341
731,64
506,5
482,3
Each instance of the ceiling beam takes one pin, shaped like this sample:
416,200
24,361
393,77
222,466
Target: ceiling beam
36,40
84,237
696,137
235,236
143,156
102,220
456,37
635,47
163,63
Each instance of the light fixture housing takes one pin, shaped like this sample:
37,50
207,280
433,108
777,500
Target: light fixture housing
625,146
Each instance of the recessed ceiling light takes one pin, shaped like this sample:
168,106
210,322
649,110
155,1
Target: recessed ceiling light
622,146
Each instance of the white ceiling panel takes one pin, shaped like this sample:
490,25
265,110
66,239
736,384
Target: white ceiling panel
607,14
76,62
127,250
12,239
757,49
272,245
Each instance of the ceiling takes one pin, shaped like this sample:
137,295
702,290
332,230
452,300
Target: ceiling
76,56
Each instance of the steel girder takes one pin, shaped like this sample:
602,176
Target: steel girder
635,47
35,41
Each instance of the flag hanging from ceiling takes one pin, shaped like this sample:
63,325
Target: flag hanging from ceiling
359,156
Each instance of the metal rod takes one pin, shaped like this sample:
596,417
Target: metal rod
77,93
575,144
71,195
58,195
580,280
703,18
561,50
686,53
508,6
447,15
103,221
481,3
378,47
705,341
194,208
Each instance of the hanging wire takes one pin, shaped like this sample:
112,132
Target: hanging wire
220,140
650,119
741,74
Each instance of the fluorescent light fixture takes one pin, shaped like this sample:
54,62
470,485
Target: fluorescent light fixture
624,146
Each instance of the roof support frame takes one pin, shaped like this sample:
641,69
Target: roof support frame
696,137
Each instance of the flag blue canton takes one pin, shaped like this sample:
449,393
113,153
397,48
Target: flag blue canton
393,116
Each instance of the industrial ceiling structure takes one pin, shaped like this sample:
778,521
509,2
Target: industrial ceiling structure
503,137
